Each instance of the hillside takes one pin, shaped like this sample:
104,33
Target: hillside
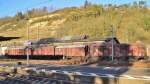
130,23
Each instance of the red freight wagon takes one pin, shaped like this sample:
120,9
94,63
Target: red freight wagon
60,51
76,50
7,51
107,50
49,50
37,51
29,51
96,50
20,52
137,50
120,50
71,50
15,51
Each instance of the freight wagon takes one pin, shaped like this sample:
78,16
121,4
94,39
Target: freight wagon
91,51
42,52
76,52
14,52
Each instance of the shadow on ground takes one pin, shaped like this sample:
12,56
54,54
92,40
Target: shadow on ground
117,71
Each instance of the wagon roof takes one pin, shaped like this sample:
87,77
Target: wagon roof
47,40
57,40
109,39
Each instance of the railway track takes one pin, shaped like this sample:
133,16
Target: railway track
34,61
141,64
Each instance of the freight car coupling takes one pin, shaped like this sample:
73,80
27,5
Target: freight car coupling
79,53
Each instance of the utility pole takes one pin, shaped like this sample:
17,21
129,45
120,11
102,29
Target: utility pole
28,43
112,42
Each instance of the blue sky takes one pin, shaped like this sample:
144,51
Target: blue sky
10,7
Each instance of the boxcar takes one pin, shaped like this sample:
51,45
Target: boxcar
96,50
137,51
71,50
15,52
48,50
104,51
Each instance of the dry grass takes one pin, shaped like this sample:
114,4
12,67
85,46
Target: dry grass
78,21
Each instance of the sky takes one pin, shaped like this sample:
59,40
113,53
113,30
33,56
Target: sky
10,7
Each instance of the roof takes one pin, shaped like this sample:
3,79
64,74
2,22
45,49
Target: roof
47,40
71,46
64,39
77,39
104,40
